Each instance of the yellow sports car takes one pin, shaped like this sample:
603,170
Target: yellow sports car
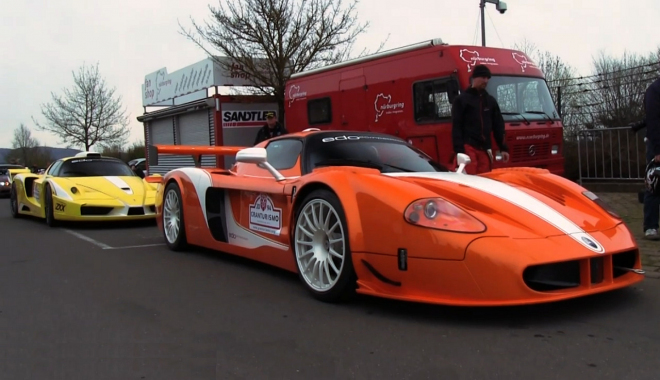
87,187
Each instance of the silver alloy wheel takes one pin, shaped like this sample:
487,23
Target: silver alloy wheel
171,216
320,245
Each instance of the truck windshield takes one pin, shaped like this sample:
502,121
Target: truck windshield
523,98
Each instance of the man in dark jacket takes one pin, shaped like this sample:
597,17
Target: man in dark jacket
475,115
652,201
272,128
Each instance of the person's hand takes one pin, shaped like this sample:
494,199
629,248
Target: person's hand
505,156
657,158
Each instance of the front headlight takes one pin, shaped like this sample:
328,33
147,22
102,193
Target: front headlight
440,214
600,203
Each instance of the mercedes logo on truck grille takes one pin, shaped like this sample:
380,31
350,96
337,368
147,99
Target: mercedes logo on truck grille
531,150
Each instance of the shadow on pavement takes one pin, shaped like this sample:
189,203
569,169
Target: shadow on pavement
512,317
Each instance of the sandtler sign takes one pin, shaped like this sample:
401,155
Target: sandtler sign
244,118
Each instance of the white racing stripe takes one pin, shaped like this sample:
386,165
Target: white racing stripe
201,179
519,198
120,183
238,235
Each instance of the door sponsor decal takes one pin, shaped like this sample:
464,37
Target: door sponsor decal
383,105
264,217
296,94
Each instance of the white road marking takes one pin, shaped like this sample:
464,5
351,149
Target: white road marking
88,239
105,246
136,246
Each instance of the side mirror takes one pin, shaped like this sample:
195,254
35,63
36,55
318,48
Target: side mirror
252,156
258,156
462,159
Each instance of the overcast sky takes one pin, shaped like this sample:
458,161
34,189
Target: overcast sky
42,42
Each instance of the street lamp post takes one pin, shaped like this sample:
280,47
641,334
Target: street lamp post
500,6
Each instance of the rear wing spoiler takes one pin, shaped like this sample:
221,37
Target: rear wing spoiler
13,172
252,155
196,151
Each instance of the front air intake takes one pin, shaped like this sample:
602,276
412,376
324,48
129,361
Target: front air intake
555,276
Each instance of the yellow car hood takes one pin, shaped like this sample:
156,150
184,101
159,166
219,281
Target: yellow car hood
127,189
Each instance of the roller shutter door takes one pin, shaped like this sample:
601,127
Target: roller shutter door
196,128
161,131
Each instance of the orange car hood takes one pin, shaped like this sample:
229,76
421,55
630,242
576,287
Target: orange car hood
512,210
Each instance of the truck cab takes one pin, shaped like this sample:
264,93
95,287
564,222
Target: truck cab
408,93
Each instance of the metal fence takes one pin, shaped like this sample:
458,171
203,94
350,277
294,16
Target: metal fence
611,155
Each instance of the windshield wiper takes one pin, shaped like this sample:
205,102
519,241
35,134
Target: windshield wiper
348,162
398,168
541,113
353,162
517,114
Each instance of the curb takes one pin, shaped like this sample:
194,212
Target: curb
653,275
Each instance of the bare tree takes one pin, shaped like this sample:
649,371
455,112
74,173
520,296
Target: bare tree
25,146
87,114
271,39
616,88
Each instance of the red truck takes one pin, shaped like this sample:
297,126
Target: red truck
407,92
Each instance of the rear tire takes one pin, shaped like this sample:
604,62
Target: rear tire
174,229
321,247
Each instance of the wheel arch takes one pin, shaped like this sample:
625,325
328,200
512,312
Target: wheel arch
347,199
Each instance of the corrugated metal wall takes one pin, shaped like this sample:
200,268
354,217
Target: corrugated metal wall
194,128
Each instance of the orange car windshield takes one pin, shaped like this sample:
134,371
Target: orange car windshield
389,156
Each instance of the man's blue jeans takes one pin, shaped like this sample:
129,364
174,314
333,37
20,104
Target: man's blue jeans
651,202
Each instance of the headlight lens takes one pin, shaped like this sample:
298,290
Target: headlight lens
440,214
600,203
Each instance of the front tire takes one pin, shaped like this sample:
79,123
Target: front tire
321,247
13,201
49,213
173,223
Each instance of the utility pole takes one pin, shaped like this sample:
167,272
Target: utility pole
483,22
500,6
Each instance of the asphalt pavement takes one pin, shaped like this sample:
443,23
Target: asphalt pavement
112,302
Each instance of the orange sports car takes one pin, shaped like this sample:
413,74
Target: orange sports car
369,213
